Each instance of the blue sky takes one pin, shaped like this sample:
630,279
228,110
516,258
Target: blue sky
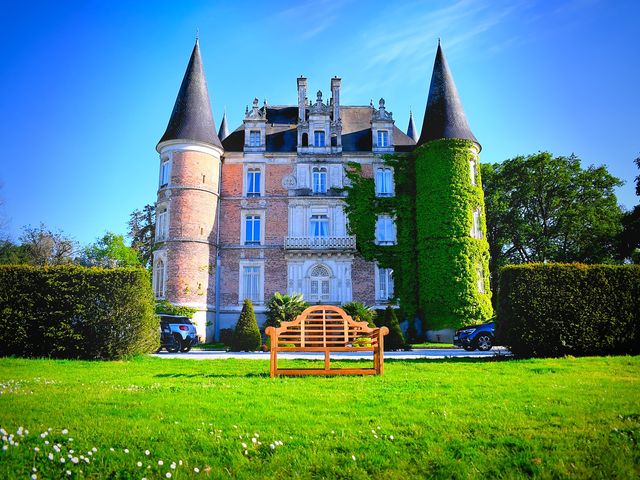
88,87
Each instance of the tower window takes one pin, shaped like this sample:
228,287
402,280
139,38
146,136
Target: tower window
162,224
319,175
476,230
383,138
480,275
318,138
251,283
165,173
254,138
158,279
472,171
252,230
305,139
319,226
384,182
253,182
385,230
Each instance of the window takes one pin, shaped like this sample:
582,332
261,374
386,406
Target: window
318,138
480,275
319,284
305,139
384,182
334,140
472,171
476,230
251,283
254,138
319,180
252,230
319,226
162,224
383,138
253,182
165,173
385,230
158,279
385,284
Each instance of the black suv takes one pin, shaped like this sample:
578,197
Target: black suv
177,333
476,336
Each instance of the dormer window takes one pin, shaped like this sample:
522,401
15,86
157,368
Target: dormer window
318,138
319,177
383,138
254,138
165,173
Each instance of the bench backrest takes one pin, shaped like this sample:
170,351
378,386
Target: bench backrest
324,326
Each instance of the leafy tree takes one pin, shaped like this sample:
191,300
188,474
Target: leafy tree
283,308
246,336
543,208
360,312
142,231
395,339
46,247
12,254
110,251
629,239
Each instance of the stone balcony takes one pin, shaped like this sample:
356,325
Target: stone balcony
320,243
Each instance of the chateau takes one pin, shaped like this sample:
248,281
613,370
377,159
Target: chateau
260,209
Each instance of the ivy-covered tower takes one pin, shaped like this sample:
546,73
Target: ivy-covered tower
453,253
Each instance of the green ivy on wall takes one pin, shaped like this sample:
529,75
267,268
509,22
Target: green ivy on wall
436,262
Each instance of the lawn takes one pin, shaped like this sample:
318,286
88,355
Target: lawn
444,419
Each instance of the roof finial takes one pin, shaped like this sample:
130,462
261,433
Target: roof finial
438,41
197,34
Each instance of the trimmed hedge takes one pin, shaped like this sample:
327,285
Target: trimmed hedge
548,310
76,312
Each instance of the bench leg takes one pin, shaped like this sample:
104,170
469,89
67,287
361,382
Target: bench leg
274,362
327,360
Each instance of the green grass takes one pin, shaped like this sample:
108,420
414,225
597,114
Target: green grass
433,345
210,346
554,418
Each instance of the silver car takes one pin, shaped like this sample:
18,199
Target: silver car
177,333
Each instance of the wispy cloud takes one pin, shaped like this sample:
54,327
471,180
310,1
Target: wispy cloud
309,19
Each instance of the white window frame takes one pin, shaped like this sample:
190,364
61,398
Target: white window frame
384,178
165,172
385,230
480,278
384,284
319,173
320,296
473,171
162,223
245,218
260,274
383,138
476,226
160,277
319,219
249,169
255,138
319,138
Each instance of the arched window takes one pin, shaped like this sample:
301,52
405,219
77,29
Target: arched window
334,140
320,287
158,279
319,175
305,139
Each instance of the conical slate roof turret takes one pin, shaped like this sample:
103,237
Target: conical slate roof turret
224,130
411,130
191,118
444,116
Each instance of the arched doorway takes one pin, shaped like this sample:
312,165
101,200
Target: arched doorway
319,284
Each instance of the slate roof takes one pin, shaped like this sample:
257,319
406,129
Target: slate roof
224,130
191,118
411,129
282,136
444,116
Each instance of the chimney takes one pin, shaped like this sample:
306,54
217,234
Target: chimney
335,97
302,97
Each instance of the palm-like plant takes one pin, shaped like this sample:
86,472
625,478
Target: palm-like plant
360,312
283,308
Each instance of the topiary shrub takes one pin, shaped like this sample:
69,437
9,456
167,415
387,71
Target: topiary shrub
226,336
246,337
360,312
549,310
76,312
283,308
395,339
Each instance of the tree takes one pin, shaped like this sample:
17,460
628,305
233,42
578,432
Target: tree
110,251
543,208
12,254
142,231
246,336
395,339
283,308
629,238
46,247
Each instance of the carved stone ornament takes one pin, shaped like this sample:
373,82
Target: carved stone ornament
381,114
319,106
256,113
289,182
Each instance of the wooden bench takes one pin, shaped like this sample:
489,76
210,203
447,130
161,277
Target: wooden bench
326,329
